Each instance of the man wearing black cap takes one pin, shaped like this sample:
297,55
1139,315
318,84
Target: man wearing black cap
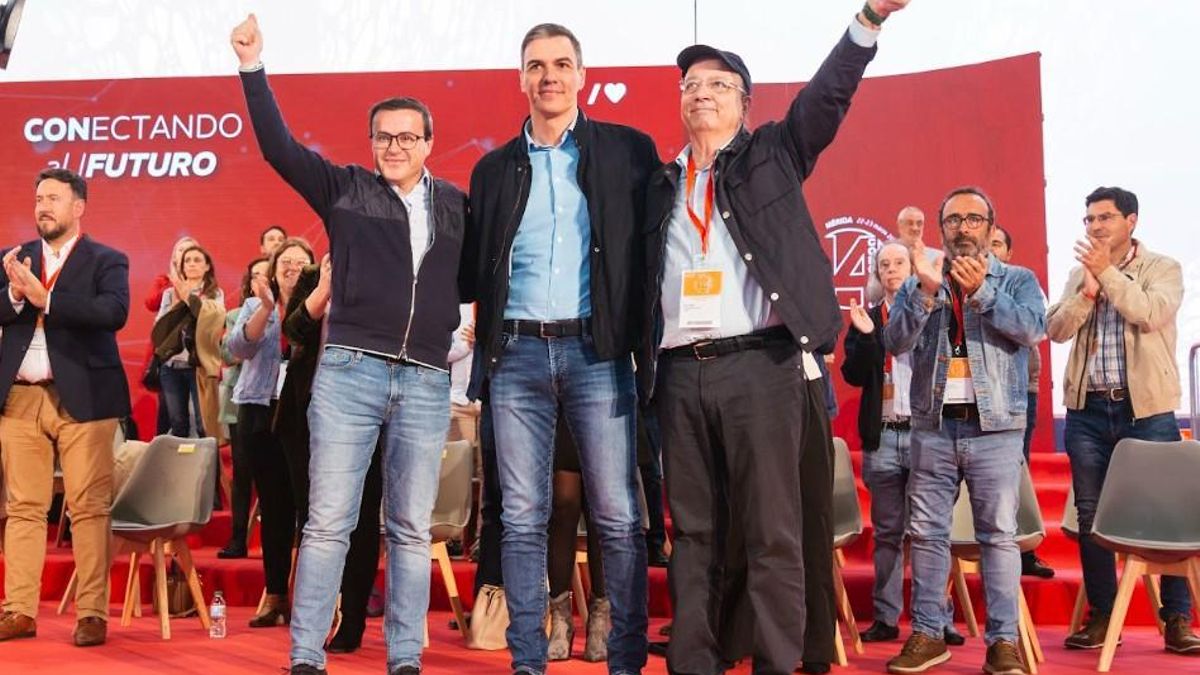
740,297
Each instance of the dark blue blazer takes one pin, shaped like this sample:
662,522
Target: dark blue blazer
90,303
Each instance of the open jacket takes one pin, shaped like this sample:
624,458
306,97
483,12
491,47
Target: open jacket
1147,294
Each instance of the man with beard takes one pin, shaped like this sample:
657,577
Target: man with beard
969,325
64,390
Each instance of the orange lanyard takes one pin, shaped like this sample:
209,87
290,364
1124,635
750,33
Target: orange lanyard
49,283
883,318
702,227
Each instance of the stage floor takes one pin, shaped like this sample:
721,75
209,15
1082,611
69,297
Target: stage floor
138,650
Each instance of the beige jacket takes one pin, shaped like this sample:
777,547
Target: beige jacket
1147,293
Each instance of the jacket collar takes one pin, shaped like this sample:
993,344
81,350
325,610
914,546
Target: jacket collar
581,128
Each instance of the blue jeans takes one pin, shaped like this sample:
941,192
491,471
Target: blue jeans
181,397
1091,434
356,399
885,472
991,463
536,380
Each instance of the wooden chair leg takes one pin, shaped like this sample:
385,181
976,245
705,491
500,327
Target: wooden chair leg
1025,646
1135,567
1077,611
1154,591
69,594
964,598
843,601
442,555
132,593
62,524
1034,641
1193,580
839,649
262,601
193,580
160,583
137,592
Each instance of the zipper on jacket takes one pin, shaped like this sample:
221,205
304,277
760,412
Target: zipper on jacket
412,302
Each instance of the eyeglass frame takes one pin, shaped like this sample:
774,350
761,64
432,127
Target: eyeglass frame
715,86
1104,218
967,221
397,139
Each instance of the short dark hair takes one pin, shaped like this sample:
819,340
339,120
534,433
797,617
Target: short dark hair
246,290
403,103
543,31
1125,201
263,237
77,183
1007,236
968,190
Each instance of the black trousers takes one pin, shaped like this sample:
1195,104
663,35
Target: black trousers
362,558
736,432
275,500
242,487
491,530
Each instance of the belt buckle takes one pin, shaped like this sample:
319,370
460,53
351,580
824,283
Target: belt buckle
1116,394
696,350
542,330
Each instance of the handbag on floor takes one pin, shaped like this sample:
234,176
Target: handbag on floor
489,619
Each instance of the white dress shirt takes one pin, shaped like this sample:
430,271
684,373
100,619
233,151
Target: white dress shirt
35,367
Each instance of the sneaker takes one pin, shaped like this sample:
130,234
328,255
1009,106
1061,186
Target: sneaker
1178,636
952,637
406,670
232,551
1032,566
305,669
1091,636
920,653
1004,659
880,632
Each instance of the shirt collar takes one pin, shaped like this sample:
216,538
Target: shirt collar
682,158
418,189
65,250
569,132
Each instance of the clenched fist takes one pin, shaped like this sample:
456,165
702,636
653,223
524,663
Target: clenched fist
247,41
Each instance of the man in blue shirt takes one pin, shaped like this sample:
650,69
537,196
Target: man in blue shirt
555,247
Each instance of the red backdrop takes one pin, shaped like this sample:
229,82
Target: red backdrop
907,140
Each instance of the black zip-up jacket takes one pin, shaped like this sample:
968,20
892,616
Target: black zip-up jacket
614,163
863,367
379,305
758,194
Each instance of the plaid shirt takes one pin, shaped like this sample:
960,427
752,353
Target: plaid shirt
1106,365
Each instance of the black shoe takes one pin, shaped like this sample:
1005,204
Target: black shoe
346,641
880,632
454,548
952,637
232,551
406,670
817,667
305,669
1032,566
658,648
656,558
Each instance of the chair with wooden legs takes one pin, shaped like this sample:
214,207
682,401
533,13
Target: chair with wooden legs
966,557
847,527
451,513
1070,527
1147,511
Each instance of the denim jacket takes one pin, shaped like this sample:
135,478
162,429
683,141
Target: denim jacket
260,358
1003,319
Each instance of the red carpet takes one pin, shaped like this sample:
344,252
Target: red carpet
138,650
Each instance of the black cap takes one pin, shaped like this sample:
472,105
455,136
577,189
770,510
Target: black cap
696,53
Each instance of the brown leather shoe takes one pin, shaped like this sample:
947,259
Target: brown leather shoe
1091,635
920,653
1178,636
14,625
90,631
1004,659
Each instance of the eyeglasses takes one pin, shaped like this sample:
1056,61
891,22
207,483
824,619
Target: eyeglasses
291,262
1104,218
383,140
718,87
971,221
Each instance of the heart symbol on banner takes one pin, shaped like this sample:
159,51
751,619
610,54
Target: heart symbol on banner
615,91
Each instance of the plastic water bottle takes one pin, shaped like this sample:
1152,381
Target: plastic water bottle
216,612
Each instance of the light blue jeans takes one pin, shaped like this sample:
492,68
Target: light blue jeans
356,399
538,383
991,463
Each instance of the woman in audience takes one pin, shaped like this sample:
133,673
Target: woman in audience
257,339
305,314
152,303
883,427
175,338
242,473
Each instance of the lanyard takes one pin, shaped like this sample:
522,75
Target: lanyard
49,283
883,316
956,303
702,227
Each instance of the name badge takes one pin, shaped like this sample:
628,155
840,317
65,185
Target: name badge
282,376
700,299
959,388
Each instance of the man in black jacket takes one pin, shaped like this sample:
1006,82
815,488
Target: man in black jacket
554,264
740,296
64,389
383,372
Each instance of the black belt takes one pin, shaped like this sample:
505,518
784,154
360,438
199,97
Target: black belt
898,425
711,349
960,411
548,329
43,383
1115,395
